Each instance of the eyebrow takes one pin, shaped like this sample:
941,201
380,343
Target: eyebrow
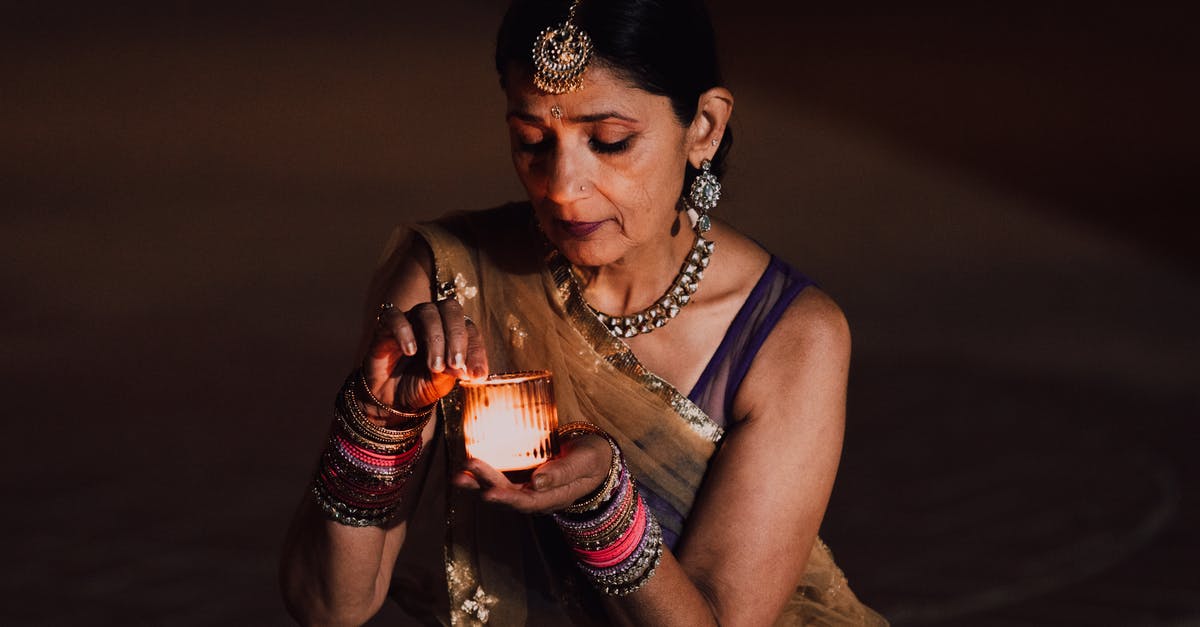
581,119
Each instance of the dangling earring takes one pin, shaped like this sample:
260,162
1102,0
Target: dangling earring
703,197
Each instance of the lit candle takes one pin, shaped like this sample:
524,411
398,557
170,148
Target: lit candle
509,421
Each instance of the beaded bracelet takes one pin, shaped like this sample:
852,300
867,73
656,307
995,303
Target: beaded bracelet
615,537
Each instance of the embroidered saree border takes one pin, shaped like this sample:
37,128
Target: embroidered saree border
618,354
462,577
454,266
823,595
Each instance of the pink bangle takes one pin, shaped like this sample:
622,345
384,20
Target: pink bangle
622,548
377,459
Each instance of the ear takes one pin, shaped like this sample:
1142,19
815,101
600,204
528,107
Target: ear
712,114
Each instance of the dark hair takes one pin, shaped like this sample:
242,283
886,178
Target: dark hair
664,47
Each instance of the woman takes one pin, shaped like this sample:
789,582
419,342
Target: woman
666,508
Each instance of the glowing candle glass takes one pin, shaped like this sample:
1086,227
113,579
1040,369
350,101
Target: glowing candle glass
509,421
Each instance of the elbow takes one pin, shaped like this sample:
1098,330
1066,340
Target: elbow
318,604
712,601
316,612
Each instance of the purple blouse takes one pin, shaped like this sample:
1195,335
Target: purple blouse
718,384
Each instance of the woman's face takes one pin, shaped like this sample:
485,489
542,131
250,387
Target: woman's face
603,165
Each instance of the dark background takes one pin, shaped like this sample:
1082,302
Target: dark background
194,195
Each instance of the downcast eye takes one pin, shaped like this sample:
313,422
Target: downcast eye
609,148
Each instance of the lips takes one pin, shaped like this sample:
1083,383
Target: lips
578,229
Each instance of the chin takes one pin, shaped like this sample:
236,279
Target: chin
588,253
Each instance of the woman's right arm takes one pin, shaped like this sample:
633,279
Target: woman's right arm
335,574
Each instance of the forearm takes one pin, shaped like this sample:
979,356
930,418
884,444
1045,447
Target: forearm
344,539
334,574
670,598
618,544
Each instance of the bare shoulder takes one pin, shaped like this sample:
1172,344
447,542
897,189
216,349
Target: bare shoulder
805,360
813,322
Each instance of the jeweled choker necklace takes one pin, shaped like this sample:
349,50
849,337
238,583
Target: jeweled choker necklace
668,305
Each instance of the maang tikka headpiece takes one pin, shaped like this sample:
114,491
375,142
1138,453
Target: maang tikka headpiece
560,55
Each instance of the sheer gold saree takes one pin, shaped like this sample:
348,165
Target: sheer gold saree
489,565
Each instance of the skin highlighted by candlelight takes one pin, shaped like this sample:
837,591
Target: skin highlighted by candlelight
509,421
718,428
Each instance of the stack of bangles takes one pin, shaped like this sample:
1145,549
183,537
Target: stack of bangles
616,539
363,470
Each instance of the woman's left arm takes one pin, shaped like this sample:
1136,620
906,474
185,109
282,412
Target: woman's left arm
749,534
748,537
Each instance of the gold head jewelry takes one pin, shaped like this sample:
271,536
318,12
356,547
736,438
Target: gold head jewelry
560,56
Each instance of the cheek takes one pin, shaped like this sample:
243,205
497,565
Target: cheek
655,180
528,171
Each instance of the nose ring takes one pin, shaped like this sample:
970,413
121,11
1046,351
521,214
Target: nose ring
582,188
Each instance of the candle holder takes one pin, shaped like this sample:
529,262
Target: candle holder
509,421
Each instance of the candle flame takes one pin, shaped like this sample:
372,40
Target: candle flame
509,420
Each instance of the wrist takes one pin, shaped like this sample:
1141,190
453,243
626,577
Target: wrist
390,414
615,537
365,466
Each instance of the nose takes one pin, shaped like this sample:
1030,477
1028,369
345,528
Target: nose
568,177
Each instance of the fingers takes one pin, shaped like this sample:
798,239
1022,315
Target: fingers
395,323
553,486
394,340
428,321
444,345
580,468
467,481
477,361
454,328
487,476
452,342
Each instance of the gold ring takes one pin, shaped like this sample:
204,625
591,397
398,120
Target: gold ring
384,308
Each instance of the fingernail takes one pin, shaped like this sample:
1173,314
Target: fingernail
410,348
541,482
458,361
438,364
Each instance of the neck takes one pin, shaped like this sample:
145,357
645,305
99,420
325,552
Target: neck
639,279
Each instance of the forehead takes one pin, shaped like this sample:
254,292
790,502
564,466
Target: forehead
603,90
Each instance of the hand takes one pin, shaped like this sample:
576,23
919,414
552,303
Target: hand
579,469
417,356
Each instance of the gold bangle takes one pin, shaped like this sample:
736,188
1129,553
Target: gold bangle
354,418
592,501
343,426
604,492
579,428
401,413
